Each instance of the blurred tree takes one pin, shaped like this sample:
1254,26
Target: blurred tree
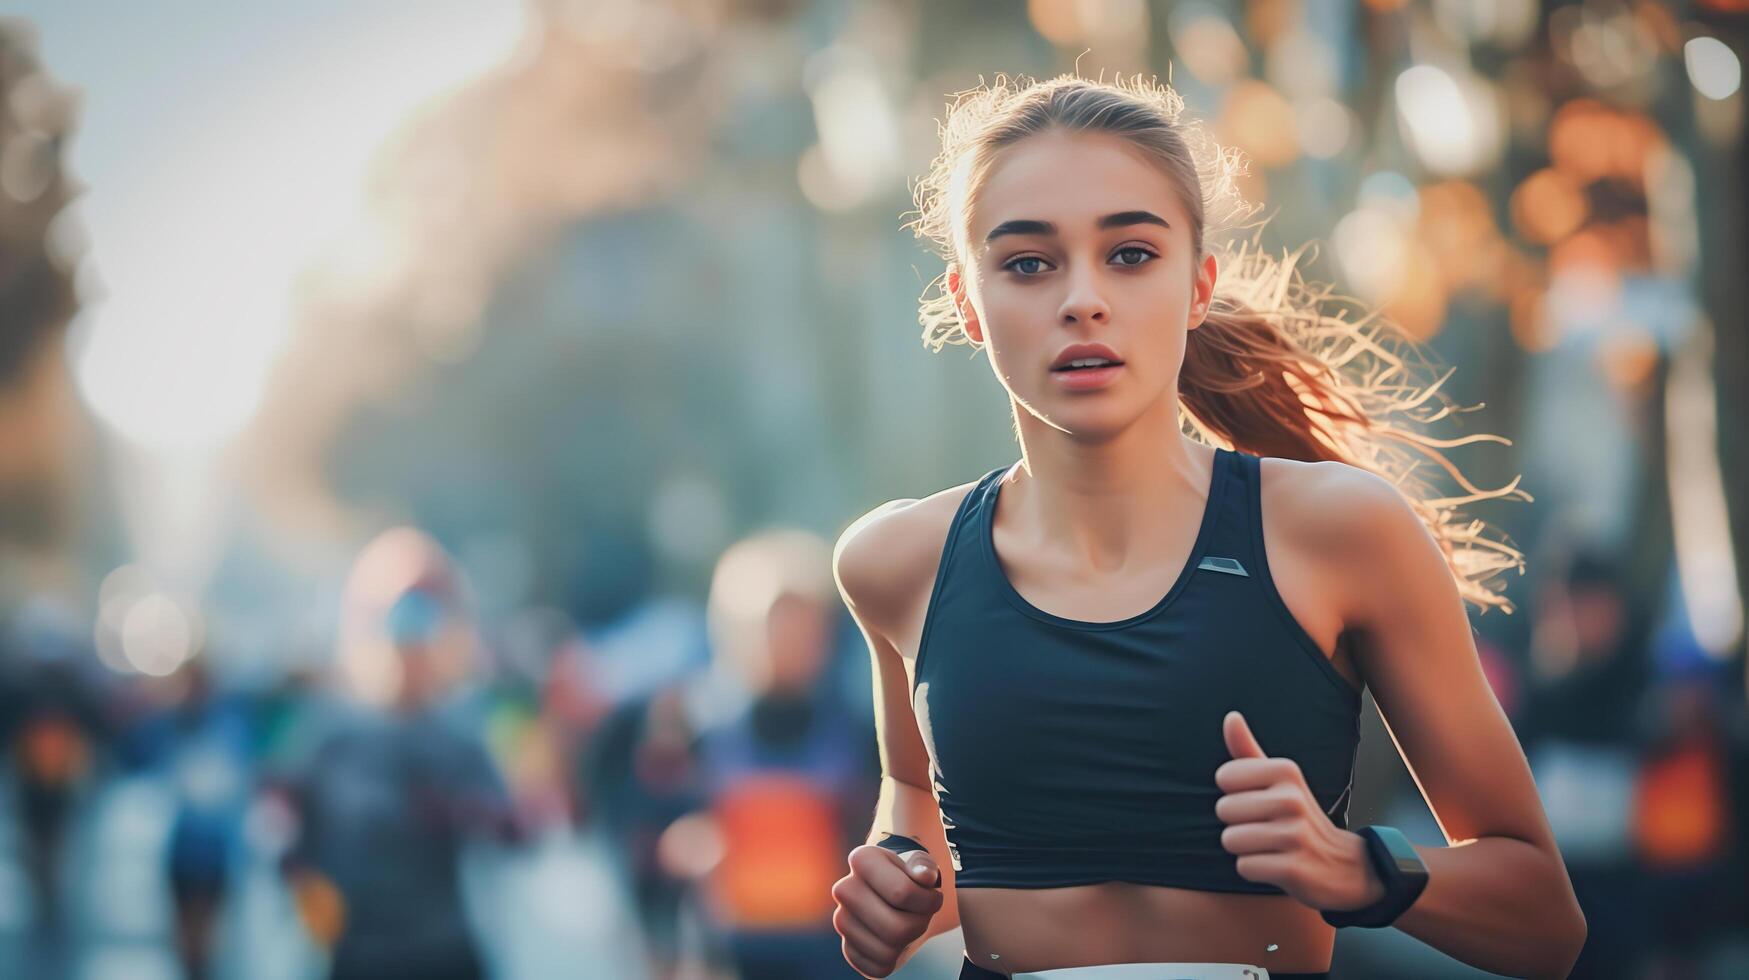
38,254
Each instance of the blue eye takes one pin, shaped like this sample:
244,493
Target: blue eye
1015,264
1142,255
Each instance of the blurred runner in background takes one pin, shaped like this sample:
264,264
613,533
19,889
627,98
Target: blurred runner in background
791,778
1590,668
51,725
395,790
202,738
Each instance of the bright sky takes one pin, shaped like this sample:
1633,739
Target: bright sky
224,146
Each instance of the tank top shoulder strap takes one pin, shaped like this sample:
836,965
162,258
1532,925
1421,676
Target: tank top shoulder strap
1241,527
959,557
1229,541
962,534
1248,495
962,543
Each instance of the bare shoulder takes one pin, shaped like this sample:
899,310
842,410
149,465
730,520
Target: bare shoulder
885,560
1336,503
1343,526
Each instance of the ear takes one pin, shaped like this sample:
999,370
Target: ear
962,301
1202,291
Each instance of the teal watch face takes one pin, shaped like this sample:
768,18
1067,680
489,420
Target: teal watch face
1401,853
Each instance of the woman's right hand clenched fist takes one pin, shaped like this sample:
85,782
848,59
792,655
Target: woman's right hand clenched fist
884,905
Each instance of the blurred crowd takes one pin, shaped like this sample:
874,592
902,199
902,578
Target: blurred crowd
721,752
386,402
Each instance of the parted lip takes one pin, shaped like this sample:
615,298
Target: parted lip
1078,351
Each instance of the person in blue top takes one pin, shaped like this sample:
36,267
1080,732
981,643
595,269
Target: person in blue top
396,786
207,745
1117,683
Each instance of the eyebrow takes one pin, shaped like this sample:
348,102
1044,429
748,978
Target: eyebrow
1030,226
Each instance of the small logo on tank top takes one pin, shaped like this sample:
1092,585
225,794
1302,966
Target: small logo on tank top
1229,565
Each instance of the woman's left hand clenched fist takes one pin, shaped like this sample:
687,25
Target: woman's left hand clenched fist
1281,834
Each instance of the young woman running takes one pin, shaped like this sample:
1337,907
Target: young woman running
1118,683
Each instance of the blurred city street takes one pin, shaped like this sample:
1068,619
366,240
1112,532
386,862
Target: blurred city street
426,429
554,912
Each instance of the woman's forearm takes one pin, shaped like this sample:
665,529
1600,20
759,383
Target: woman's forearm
1499,904
911,811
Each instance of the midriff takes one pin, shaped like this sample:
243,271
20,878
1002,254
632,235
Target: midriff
1121,922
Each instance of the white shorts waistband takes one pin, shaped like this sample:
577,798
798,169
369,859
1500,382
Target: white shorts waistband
1151,971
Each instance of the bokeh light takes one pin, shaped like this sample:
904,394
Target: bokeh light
1206,43
1713,67
1548,206
1453,119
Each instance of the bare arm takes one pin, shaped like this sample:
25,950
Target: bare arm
1498,897
876,582
910,811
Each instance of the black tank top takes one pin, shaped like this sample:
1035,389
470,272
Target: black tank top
1065,752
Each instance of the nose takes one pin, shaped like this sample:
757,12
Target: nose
1083,303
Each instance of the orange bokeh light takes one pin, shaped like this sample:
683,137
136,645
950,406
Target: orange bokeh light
1548,206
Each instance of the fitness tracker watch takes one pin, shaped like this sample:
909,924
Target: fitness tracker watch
899,844
1398,867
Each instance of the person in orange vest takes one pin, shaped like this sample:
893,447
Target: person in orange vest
789,776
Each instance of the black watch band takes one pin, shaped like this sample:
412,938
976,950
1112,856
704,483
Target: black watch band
1401,870
899,844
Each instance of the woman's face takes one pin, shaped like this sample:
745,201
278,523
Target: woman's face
1078,239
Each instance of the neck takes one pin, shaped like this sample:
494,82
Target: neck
1108,502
